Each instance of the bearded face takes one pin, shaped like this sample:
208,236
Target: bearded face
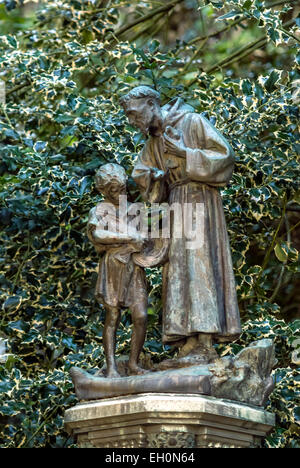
144,114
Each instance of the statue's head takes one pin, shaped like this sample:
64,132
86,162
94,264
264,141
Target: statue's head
142,107
111,181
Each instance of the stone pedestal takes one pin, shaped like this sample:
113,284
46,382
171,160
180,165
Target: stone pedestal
167,420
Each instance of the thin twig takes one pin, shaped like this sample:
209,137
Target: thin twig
194,56
293,208
289,34
240,53
236,22
150,15
279,281
273,242
148,28
24,260
216,33
41,426
247,48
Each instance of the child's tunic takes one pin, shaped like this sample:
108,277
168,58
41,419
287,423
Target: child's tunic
120,283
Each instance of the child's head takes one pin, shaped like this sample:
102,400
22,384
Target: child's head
111,181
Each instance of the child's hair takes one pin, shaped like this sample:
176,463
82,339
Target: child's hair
108,173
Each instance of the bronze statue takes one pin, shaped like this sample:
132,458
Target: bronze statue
121,283
185,160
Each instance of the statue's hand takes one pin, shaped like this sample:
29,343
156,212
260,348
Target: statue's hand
92,228
173,143
157,174
139,241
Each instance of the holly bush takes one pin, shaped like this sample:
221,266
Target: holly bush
63,67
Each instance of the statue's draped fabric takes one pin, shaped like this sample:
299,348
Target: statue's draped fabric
199,292
120,283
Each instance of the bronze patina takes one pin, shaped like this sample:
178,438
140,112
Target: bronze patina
121,283
185,162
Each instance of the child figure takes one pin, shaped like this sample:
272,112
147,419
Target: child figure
121,283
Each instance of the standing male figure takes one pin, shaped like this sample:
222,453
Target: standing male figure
185,160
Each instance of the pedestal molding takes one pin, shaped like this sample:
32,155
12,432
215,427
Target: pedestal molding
156,420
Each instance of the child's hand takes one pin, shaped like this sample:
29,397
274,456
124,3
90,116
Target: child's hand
97,234
157,174
139,241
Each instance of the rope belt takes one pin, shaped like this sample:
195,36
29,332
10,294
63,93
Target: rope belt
186,181
179,182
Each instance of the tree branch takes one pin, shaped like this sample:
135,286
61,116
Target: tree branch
150,15
241,52
216,33
236,22
273,242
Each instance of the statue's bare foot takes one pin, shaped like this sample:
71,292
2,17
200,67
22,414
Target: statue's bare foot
112,374
190,356
134,369
201,354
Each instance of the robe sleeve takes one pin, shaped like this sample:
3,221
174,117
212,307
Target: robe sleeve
93,223
209,158
151,191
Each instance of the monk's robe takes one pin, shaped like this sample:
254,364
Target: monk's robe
199,293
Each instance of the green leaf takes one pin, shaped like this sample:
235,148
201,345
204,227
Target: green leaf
13,302
281,253
19,326
230,14
247,87
40,146
270,83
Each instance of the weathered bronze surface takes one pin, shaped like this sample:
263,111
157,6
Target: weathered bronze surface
184,162
88,387
121,283
167,420
244,377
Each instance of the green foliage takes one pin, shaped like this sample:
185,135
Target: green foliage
62,120
284,402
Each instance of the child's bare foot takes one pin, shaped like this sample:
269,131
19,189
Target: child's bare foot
134,369
112,374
